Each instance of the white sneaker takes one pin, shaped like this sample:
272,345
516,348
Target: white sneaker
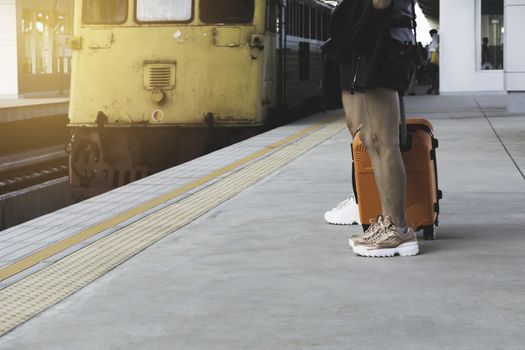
345,213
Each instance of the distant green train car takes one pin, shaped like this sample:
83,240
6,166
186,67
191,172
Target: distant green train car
152,80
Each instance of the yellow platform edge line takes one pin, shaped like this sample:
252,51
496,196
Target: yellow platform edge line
53,249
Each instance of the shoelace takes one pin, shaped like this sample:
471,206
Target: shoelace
379,231
383,231
342,204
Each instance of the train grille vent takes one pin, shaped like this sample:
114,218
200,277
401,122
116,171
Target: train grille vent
159,75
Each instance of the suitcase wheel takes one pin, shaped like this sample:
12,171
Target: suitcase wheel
429,233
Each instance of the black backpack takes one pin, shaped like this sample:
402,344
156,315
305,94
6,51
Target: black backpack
357,30
354,27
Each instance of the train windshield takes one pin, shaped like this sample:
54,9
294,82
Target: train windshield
164,10
104,11
226,11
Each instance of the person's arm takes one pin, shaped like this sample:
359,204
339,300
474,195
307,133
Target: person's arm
381,4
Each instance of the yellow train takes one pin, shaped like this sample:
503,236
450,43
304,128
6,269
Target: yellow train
154,82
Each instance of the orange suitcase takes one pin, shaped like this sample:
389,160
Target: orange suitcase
422,198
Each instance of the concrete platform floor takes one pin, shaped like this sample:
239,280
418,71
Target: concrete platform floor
263,270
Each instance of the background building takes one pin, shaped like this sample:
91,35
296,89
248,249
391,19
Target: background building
466,65
463,25
8,48
30,65
29,31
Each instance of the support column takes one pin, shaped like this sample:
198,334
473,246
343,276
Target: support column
515,54
8,49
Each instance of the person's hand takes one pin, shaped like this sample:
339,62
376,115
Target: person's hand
381,4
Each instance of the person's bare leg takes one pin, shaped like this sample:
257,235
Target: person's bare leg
354,107
389,236
347,212
380,135
377,113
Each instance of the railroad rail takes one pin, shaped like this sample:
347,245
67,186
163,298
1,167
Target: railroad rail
32,168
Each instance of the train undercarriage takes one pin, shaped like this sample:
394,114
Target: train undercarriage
104,158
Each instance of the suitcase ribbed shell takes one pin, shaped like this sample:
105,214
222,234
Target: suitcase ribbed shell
421,197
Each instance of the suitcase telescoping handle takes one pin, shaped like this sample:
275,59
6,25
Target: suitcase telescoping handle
403,129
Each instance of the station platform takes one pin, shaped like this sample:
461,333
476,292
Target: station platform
231,251
17,109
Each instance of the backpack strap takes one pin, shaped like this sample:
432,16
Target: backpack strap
414,23
404,22
403,129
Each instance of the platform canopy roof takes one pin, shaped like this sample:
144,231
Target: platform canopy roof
430,8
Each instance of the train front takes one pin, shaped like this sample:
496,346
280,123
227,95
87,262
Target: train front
153,81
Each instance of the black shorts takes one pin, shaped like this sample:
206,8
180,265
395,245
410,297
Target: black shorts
391,68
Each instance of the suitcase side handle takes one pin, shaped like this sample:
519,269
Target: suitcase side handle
354,186
439,193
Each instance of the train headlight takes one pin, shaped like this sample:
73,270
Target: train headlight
157,115
158,95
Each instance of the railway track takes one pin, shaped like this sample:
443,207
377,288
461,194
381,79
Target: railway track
27,169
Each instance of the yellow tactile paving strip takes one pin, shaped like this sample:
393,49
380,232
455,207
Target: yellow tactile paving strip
58,247
34,294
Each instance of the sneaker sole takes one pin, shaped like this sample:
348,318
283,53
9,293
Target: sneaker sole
406,249
343,222
351,243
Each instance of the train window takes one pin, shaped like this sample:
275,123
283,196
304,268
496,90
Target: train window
272,16
313,23
288,28
307,23
226,11
295,19
326,26
302,21
104,11
296,22
164,10
288,19
304,60
319,27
